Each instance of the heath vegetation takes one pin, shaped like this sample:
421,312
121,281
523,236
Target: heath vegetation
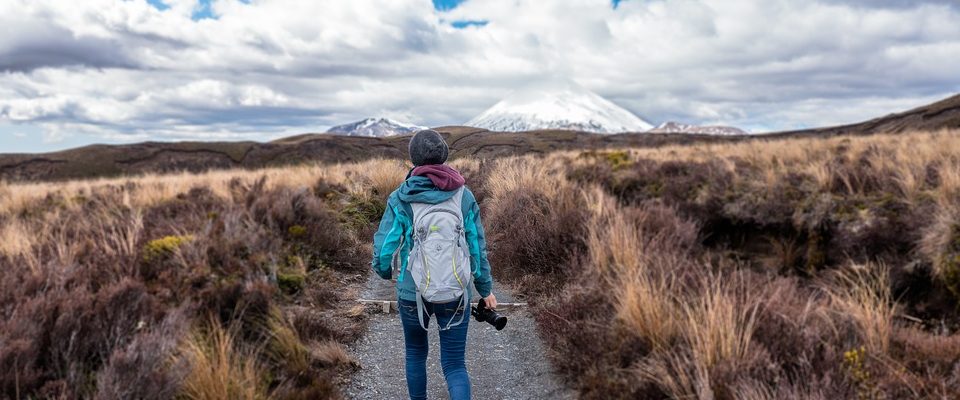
765,269
759,269
228,284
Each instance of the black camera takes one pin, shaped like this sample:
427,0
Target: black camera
484,314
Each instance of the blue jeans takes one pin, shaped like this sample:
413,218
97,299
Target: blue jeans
453,344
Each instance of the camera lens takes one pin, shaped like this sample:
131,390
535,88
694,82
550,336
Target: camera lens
499,322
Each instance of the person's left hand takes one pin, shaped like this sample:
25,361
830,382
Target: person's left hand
491,301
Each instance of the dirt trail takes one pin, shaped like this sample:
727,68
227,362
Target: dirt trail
507,364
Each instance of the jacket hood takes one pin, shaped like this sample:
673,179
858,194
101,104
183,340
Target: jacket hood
420,189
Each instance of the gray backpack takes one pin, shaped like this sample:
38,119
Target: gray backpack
440,259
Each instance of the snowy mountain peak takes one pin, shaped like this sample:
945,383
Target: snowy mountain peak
677,127
559,104
375,127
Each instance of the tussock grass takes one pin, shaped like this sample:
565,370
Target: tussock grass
284,344
14,239
940,244
526,174
720,323
376,176
331,353
220,368
862,292
645,288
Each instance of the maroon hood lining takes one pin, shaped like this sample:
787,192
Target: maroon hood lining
443,176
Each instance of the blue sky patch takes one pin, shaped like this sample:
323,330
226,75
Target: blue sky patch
202,10
446,5
158,4
465,23
616,3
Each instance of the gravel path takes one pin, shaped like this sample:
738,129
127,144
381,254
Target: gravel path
509,364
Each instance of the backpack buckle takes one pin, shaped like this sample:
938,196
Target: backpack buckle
421,233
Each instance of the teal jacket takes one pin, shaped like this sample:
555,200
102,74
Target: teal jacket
396,232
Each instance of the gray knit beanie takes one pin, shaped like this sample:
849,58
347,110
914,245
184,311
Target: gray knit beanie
427,147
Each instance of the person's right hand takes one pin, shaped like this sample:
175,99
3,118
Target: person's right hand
490,301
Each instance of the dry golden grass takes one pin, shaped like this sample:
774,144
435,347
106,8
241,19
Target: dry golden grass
219,369
529,173
377,176
862,292
331,353
285,346
938,240
619,253
719,322
905,156
678,374
14,238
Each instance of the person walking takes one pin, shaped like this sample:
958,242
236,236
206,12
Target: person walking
431,236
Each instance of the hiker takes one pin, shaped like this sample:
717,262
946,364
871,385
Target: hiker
432,236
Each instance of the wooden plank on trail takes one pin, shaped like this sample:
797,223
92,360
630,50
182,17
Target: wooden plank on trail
386,306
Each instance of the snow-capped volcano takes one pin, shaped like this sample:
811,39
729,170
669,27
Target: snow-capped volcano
677,127
375,127
558,105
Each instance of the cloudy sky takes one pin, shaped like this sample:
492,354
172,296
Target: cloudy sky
115,71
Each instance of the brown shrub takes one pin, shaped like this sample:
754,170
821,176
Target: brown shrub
67,336
588,345
148,361
308,222
535,223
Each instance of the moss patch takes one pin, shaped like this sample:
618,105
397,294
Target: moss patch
950,262
291,283
160,248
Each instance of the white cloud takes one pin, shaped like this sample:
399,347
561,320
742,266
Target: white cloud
115,69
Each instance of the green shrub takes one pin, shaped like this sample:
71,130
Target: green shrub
291,283
362,213
950,262
617,159
163,247
297,231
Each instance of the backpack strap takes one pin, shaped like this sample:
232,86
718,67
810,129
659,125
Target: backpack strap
420,310
464,303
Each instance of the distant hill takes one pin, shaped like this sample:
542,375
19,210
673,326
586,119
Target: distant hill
114,160
375,127
944,114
